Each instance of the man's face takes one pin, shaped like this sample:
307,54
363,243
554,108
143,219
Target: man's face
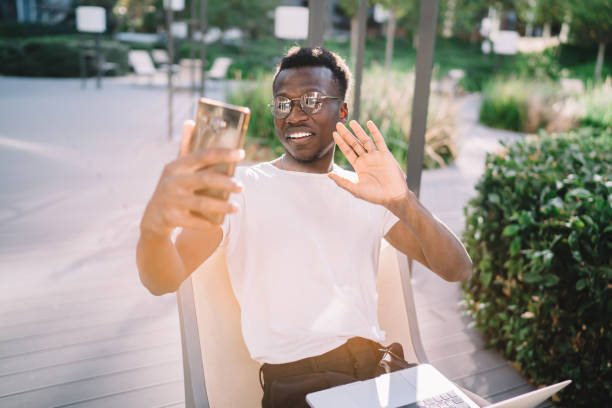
293,83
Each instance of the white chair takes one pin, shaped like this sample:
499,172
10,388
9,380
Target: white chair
218,369
141,62
190,70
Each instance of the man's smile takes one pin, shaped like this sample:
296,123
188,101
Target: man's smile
299,135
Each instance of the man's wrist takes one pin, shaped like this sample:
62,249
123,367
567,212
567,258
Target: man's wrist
154,235
402,204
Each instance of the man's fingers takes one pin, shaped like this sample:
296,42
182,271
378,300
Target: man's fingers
197,160
205,204
209,179
186,219
365,140
350,139
187,135
377,136
348,152
342,182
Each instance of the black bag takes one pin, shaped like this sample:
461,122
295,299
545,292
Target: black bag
392,359
290,392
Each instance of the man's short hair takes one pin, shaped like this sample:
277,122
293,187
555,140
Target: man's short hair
298,57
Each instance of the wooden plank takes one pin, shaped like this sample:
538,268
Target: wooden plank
502,395
43,307
26,301
89,350
83,335
96,387
496,380
468,364
462,342
81,319
70,372
169,395
435,329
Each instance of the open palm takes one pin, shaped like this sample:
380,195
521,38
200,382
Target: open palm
381,180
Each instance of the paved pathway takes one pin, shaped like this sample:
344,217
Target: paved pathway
455,349
76,327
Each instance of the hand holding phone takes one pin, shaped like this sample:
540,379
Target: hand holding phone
193,189
218,125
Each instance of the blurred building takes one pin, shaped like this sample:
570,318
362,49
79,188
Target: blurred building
35,11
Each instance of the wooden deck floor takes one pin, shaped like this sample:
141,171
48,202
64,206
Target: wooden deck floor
76,327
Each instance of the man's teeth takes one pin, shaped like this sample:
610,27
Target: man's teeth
298,135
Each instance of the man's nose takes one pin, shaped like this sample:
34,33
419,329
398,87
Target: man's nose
296,114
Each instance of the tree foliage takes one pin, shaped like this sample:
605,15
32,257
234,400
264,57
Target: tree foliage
591,22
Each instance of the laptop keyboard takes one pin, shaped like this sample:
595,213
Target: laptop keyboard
444,400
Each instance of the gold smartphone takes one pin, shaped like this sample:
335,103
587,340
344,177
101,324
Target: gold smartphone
223,125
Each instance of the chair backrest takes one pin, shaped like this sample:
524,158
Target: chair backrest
160,56
219,68
219,371
189,69
140,60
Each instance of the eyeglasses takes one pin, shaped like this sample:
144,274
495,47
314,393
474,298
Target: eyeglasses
310,102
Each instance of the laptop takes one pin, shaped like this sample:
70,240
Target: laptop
419,386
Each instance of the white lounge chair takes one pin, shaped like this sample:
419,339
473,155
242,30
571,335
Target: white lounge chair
218,369
141,62
218,70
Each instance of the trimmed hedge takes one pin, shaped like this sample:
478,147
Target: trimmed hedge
55,57
540,236
13,29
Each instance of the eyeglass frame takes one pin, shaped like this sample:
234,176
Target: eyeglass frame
291,100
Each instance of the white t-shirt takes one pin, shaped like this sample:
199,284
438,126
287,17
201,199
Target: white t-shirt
302,255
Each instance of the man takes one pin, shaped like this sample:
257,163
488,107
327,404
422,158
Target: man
302,235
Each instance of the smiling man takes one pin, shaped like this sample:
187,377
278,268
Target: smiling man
302,235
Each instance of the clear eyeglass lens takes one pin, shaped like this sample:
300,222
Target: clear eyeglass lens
311,101
283,105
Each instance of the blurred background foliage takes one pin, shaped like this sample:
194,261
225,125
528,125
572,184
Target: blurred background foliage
388,105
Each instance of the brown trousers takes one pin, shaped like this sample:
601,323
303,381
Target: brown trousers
286,385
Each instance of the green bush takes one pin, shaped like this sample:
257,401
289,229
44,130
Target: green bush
597,107
540,238
522,105
528,105
56,56
10,29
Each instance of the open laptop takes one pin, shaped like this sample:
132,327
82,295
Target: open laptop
419,386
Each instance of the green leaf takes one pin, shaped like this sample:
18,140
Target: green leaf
494,198
515,246
511,230
485,278
532,277
555,202
550,280
579,193
580,284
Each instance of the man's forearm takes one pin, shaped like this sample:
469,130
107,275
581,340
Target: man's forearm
442,250
160,266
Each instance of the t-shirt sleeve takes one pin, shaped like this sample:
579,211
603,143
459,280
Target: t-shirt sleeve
389,220
232,223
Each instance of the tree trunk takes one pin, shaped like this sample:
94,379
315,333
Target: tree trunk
390,39
600,58
354,34
546,31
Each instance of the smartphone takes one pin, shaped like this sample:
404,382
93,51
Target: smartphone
218,124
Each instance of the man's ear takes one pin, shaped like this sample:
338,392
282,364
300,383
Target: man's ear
343,112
